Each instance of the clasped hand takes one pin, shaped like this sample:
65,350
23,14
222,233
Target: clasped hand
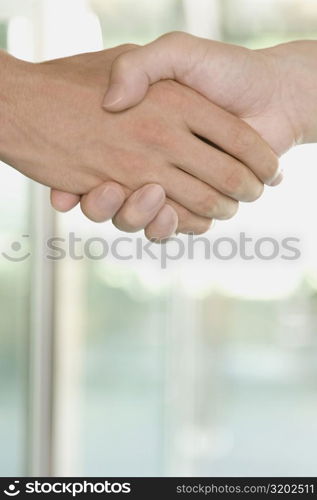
167,156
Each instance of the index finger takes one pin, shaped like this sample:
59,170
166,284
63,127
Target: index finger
235,137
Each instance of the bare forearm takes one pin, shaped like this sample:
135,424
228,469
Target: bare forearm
14,91
296,64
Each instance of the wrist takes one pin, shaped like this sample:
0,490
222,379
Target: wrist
296,70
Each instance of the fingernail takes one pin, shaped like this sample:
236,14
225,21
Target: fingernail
168,218
109,199
277,179
150,197
166,224
113,96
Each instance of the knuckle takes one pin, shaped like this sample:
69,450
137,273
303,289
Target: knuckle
128,46
243,138
242,185
174,36
208,203
122,62
235,182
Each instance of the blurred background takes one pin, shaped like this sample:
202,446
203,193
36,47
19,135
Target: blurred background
207,368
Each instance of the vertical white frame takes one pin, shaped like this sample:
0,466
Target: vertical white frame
46,40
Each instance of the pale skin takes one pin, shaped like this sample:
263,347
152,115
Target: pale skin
56,132
274,90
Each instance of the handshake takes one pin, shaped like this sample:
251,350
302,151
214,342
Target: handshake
165,137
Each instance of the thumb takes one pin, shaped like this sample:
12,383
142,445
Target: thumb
133,72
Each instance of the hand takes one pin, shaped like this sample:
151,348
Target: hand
261,87
107,201
273,90
67,142
128,218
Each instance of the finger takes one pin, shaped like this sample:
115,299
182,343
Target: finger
221,171
133,72
140,209
163,226
187,223
63,202
173,56
96,207
102,202
192,193
235,137
278,179
130,77
160,228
